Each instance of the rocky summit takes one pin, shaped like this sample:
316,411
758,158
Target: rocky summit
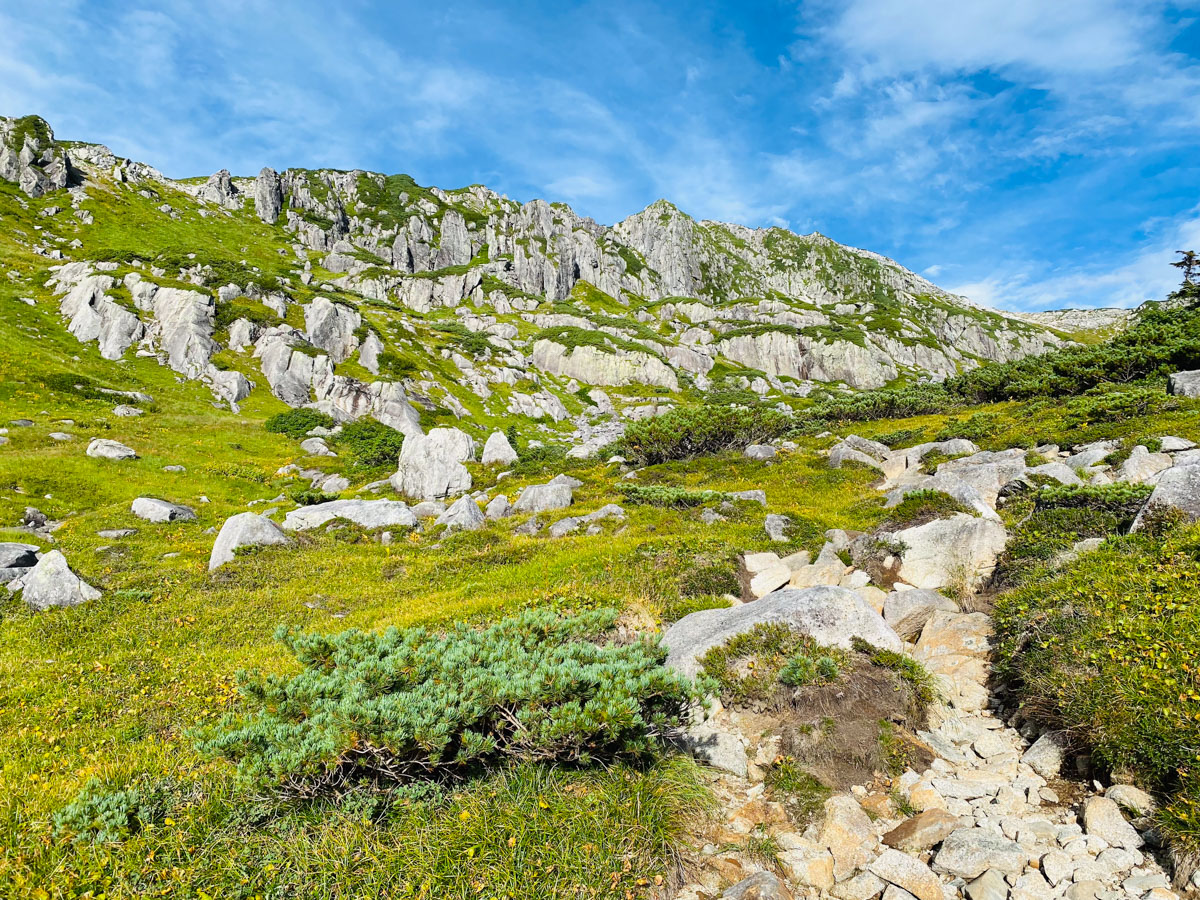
365,539
361,293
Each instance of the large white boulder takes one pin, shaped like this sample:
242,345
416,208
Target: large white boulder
160,511
832,616
367,513
956,552
244,530
498,451
103,448
431,465
51,583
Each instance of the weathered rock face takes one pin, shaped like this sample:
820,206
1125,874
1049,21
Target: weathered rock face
268,195
832,616
431,466
331,326
30,157
544,497
1177,488
592,365
955,552
103,448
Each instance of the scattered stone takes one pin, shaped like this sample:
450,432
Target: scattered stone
125,411
103,448
498,507
244,530
1102,818
719,749
1172,444
316,446
1184,384
160,511
759,886
969,852
760,452
908,611
988,886
908,873
17,556
51,583
544,497
498,451
463,514
112,534
776,526
1134,799
922,831
1046,755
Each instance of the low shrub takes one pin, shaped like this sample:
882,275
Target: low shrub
1121,499
310,496
804,669
977,427
396,366
925,505
370,446
296,423
409,705
664,495
103,814
687,432
748,666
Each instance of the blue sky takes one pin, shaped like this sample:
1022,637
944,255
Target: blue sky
1029,154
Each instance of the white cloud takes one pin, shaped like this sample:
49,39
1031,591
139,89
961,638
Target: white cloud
1145,274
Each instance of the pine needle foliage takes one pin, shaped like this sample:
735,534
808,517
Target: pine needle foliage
407,705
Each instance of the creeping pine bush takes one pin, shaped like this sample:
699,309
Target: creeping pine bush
1121,499
408,705
684,433
104,814
664,495
296,423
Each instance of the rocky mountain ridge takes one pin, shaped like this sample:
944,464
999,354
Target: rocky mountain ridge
386,298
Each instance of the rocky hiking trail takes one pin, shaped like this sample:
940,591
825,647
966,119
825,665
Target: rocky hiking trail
988,808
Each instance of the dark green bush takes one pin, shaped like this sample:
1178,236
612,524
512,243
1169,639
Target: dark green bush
919,507
244,308
1121,499
311,497
370,446
687,432
409,705
396,366
296,423
664,495
976,428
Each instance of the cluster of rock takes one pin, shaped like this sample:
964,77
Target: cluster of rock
44,580
987,819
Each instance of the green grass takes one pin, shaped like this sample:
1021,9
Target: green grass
1107,649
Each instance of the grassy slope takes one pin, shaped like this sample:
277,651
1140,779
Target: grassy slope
107,690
